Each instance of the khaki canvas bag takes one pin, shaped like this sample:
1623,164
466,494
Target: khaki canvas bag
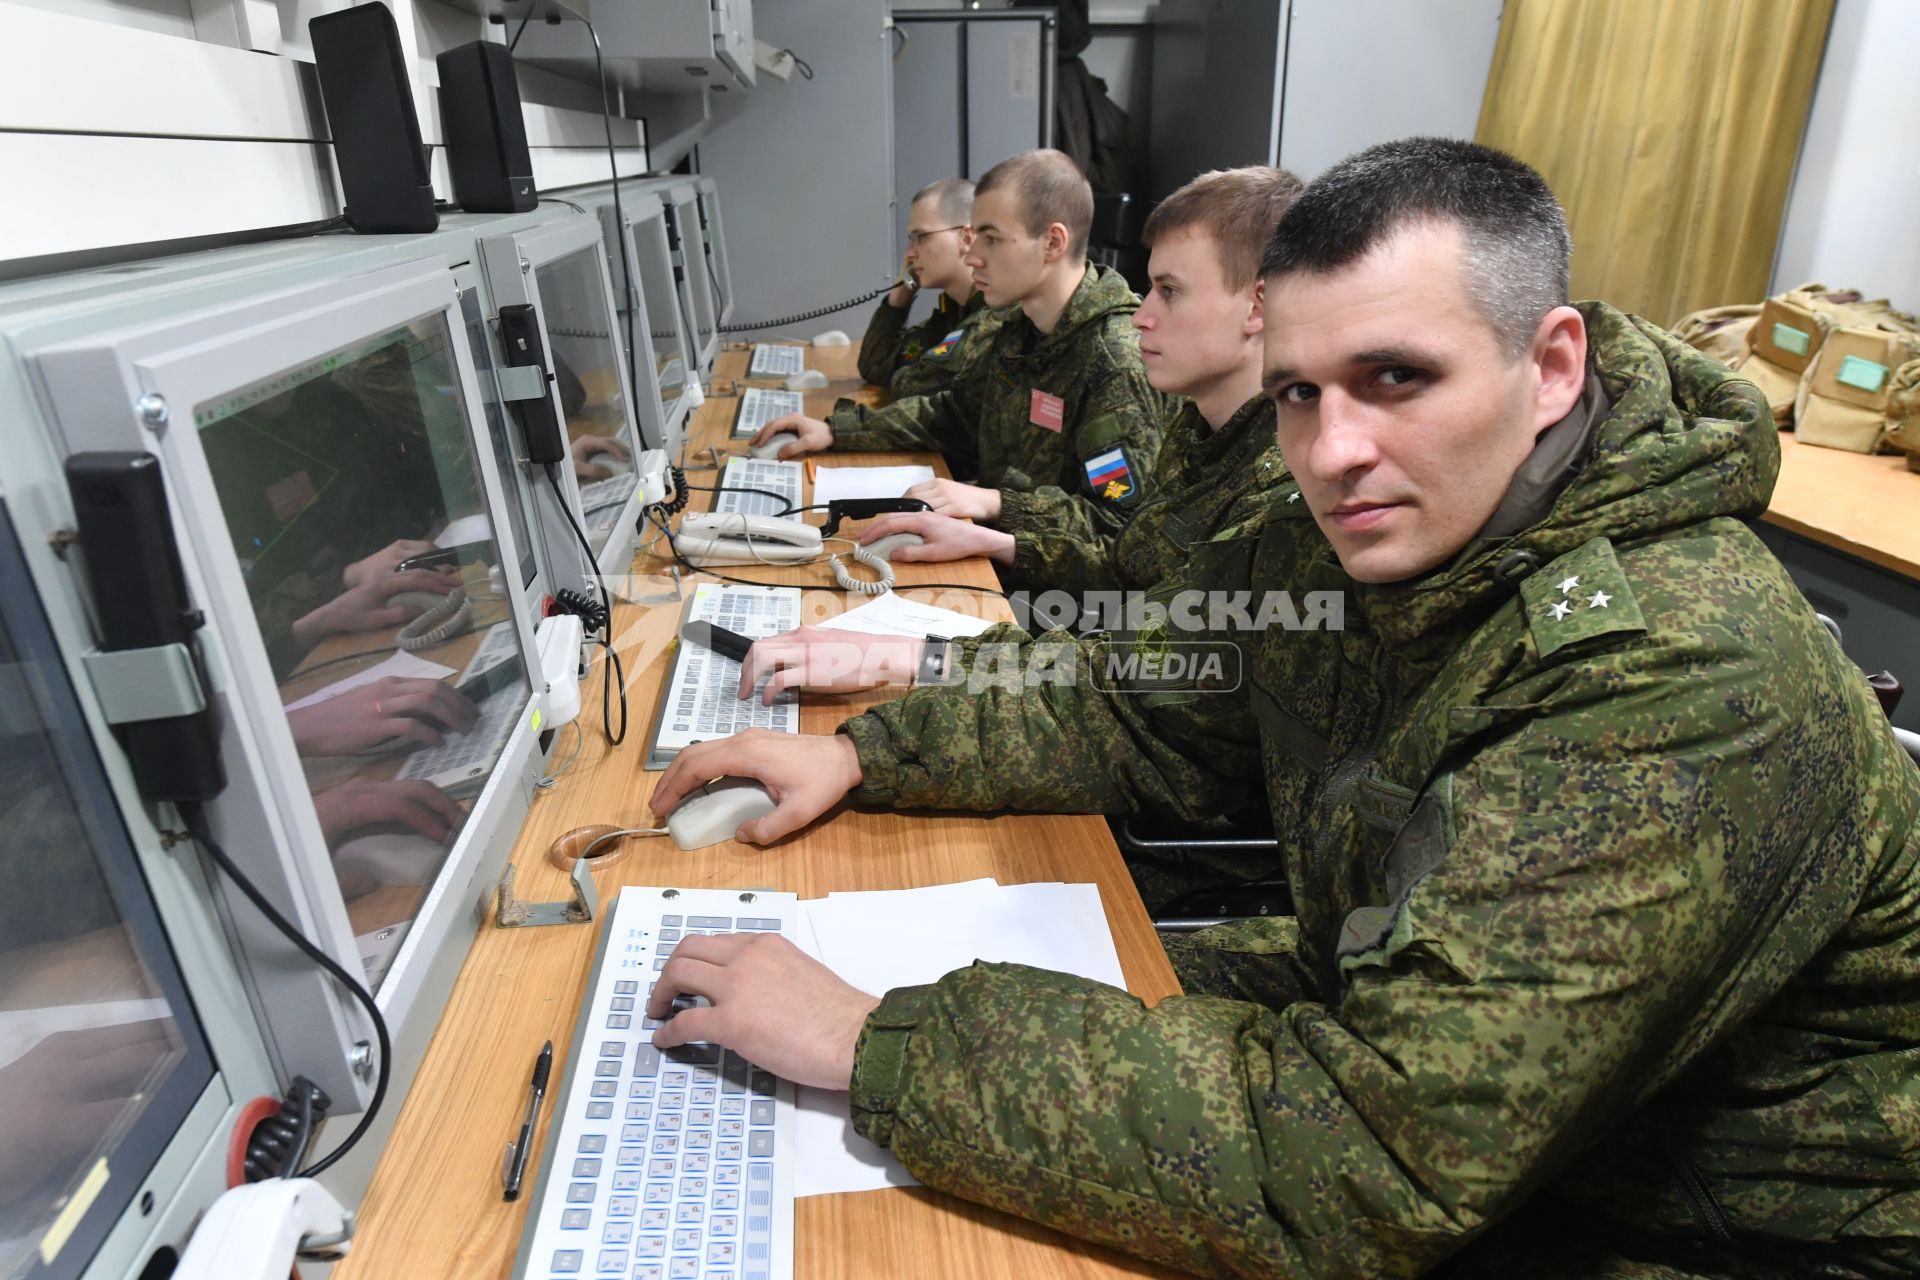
1720,332
1790,331
1846,399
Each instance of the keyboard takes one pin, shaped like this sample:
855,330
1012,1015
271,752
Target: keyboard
769,476
699,701
771,360
611,492
759,405
663,1165
462,762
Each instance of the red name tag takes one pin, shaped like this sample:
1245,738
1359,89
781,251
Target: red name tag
1048,411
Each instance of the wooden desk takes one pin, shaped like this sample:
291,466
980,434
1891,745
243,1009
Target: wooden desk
434,1206
1858,504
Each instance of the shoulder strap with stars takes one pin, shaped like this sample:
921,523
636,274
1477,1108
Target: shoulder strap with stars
1581,596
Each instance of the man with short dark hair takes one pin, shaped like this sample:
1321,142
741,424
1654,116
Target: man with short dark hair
1057,424
917,360
1606,866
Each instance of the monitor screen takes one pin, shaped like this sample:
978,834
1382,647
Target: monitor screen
663,308
351,496
715,250
101,1057
686,221
586,367
499,431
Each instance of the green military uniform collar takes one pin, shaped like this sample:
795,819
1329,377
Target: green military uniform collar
1680,441
957,312
1101,293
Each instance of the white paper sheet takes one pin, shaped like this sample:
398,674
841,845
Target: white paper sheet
876,941
889,615
833,483
402,664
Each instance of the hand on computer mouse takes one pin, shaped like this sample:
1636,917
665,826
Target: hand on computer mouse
394,709
591,453
812,435
387,559
370,605
942,537
806,776
770,1002
363,802
826,658
950,497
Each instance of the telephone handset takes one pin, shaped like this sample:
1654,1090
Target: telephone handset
737,538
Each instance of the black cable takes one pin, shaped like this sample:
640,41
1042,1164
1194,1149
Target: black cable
787,507
195,816
610,672
606,604
515,42
799,63
805,315
304,1138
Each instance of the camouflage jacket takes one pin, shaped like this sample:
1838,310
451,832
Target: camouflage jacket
1202,482
917,360
1607,953
1063,424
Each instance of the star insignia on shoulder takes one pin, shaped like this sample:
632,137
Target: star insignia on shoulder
1568,585
1598,600
1294,496
1560,609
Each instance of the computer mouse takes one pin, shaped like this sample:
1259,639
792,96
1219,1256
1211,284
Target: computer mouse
885,547
715,812
831,338
772,445
389,854
807,380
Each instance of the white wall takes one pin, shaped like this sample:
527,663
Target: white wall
1853,217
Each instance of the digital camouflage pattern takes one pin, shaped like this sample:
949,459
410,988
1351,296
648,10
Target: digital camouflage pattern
918,360
1202,482
985,422
1607,955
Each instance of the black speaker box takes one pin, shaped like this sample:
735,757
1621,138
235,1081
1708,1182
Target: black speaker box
486,137
376,136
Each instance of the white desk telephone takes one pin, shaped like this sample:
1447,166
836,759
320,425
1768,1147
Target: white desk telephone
736,538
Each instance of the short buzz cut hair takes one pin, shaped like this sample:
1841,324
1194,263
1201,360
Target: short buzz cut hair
951,200
1047,187
1238,208
1517,246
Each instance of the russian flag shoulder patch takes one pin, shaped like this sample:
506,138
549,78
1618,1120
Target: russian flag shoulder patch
1110,474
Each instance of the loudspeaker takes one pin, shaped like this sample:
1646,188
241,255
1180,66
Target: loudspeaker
486,137
376,136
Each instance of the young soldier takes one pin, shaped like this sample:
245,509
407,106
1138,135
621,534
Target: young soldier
917,360
1057,423
1607,878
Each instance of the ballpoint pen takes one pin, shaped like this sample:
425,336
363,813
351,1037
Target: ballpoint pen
516,1163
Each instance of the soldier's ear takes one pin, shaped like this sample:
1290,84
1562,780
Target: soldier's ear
1559,358
1256,321
1057,240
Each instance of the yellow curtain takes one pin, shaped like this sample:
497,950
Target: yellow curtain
1668,128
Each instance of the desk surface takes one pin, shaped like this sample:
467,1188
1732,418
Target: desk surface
434,1207
1863,505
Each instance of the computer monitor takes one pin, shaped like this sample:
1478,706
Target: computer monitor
345,530
126,1047
560,270
696,281
715,241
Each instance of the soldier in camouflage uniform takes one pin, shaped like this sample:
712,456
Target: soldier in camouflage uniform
1200,338
918,360
1058,424
1607,954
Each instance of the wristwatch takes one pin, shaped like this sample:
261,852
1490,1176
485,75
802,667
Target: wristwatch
933,662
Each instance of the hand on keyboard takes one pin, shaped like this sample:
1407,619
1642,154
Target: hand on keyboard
814,435
805,774
830,659
771,1003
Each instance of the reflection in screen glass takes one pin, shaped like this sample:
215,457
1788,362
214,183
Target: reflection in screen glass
686,221
480,344
96,1068
663,308
354,505
586,366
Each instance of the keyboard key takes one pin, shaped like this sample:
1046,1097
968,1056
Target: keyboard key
612,1048
726,1199
575,1219
731,1150
593,1143
669,922
616,1233
692,1188
652,1271
630,1157
659,1193
639,1110
586,1167
710,922
566,1262
702,1095
762,1083
620,1206
646,1060
626,1180
756,923
625,987
612,1261
619,1021
604,1089
723,1224
705,1054
720,1253
650,1247
621,1004
654,1220
694,1162
686,1238
599,1110
761,1112
640,1089
608,1069
689,1214
687,1268
580,1193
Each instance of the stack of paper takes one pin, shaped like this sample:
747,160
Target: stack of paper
830,484
906,937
